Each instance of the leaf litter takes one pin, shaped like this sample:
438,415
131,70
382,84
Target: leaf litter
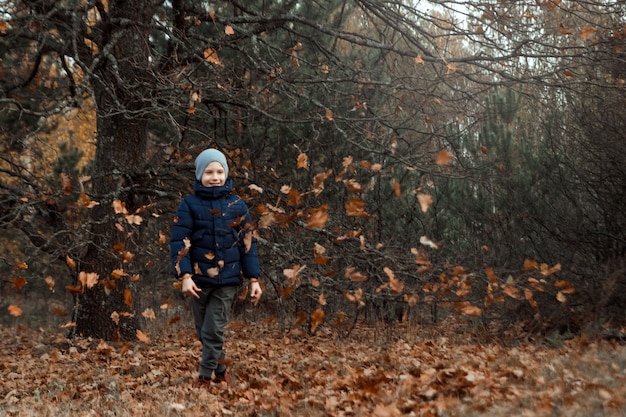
410,371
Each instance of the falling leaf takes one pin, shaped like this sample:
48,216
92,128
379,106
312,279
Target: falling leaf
229,30
119,207
115,317
470,310
133,219
210,55
303,161
425,201
355,207
329,114
317,317
396,187
395,285
14,310
18,283
21,265
322,299
256,188
50,282
294,198
561,298
66,183
319,217
427,242
354,275
128,297
118,273
143,337
443,157
70,262
148,313
88,279
318,181
318,254
530,264
587,32
419,60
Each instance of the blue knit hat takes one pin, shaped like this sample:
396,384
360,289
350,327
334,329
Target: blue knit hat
206,157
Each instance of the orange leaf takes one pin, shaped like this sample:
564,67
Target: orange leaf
425,201
88,279
530,264
355,207
66,183
395,285
443,158
319,217
70,262
419,60
561,297
210,55
294,197
322,299
118,273
354,275
329,114
143,337
303,161
396,187
512,292
316,319
470,310
21,265
229,30
18,283
128,297
318,181
50,281
14,310
587,32
119,207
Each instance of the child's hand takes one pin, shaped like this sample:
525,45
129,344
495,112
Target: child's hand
255,292
189,287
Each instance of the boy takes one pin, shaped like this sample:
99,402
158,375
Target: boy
211,247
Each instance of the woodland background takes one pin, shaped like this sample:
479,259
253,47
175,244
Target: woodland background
439,189
405,161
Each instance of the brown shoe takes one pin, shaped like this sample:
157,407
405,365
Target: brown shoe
225,377
202,382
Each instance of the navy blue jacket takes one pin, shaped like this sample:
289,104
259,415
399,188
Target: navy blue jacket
218,226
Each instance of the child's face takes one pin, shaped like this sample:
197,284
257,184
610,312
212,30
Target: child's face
213,175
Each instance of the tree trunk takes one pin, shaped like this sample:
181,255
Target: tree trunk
108,310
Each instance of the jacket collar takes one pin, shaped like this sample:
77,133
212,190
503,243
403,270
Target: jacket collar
210,193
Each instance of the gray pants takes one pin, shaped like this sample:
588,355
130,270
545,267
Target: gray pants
211,313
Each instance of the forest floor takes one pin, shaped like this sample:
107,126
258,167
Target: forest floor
406,370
